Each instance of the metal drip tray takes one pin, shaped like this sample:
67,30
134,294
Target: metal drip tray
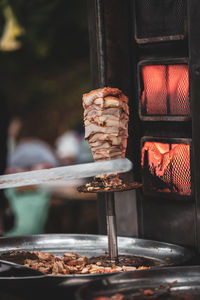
180,283
162,254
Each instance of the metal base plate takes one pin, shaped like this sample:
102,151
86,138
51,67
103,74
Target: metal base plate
163,254
166,283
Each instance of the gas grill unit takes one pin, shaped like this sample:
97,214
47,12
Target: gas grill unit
150,49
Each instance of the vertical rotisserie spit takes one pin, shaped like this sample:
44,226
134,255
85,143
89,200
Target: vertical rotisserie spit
106,115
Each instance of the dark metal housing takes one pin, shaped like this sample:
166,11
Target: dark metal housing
120,45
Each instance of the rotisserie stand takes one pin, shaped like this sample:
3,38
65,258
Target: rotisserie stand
150,50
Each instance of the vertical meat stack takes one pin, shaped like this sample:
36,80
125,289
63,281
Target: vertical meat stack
106,115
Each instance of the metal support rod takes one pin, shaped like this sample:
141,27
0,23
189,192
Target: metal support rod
111,226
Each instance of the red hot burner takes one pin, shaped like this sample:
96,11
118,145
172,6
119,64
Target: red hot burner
166,167
164,91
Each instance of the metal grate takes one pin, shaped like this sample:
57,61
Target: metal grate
166,168
164,90
158,20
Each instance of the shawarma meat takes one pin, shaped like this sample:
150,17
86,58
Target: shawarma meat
106,116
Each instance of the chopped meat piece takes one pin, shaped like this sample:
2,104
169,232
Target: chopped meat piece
72,263
148,292
43,255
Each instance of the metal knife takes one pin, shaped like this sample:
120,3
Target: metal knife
63,174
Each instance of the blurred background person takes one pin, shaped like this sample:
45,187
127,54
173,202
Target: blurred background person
29,204
67,147
71,148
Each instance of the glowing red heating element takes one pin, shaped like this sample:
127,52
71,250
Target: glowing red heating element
165,90
166,167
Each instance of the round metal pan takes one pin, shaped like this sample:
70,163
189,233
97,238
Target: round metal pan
164,283
163,254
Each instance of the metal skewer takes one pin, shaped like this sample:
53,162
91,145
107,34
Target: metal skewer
111,226
62,174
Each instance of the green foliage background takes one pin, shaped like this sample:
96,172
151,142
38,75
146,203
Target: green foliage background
45,79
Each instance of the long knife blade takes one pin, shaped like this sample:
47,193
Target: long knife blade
63,174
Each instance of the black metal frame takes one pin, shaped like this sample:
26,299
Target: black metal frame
113,67
194,71
114,58
97,35
158,38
